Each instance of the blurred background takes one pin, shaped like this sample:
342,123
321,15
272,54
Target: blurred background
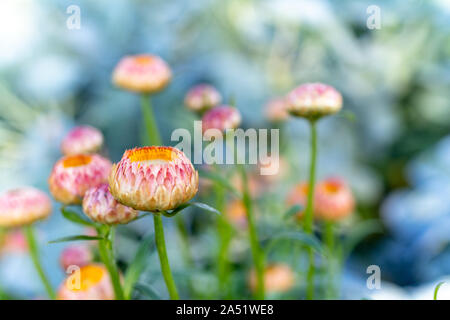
392,142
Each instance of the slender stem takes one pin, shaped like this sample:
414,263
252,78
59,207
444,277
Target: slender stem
309,212
150,122
165,267
436,290
329,242
106,249
34,253
3,295
258,257
329,235
224,233
155,139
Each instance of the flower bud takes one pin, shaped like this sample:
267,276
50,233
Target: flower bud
72,176
313,101
82,139
100,206
202,97
153,179
23,206
142,73
90,282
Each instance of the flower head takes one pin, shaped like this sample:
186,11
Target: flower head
142,73
75,255
82,139
298,196
236,213
221,118
313,101
153,179
333,200
278,278
202,97
23,206
13,241
72,176
276,110
91,282
100,206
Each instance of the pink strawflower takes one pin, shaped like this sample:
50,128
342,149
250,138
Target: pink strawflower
333,200
221,118
23,206
202,97
82,139
236,213
153,179
100,206
72,176
313,101
75,255
90,282
142,73
298,196
13,242
278,278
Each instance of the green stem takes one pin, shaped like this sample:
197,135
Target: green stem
155,139
329,242
149,120
34,253
258,257
309,212
436,290
106,250
165,267
224,233
3,295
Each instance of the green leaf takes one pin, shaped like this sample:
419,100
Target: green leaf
176,210
76,218
293,210
137,266
303,238
205,207
219,180
148,290
199,205
76,238
436,289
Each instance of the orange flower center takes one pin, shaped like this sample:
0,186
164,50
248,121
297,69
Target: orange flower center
143,59
331,187
236,211
151,154
76,161
89,275
303,189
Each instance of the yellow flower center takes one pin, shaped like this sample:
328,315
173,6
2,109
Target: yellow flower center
89,275
151,154
331,187
143,59
76,161
303,189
